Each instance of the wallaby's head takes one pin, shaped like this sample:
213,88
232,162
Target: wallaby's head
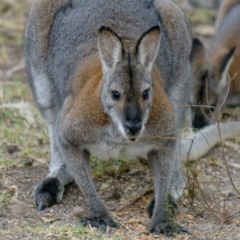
210,82
127,92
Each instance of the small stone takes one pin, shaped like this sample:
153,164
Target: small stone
104,186
120,214
12,149
183,210
80,212
19,209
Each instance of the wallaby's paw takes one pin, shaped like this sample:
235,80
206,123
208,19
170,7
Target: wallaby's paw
48,192
168,228
101,223
172,206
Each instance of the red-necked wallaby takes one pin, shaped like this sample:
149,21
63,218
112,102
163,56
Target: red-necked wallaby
213,71
111,78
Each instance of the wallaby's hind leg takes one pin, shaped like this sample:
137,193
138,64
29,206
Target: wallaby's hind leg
78,162
50,190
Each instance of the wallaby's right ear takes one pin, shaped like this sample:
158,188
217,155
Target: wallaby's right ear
110,47
197,56
147,47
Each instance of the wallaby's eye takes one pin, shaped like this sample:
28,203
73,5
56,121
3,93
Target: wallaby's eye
115,95
145,94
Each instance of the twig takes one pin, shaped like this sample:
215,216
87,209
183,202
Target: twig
149,188
9,73
222,144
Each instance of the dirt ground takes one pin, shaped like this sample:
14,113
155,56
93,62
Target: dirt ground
209,209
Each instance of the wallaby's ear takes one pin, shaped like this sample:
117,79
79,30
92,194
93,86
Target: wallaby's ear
226,61
110,47
197,56
147,47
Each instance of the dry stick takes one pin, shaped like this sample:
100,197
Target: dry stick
195,179
149,188
207,99
9,73
188,161
206,205
220,135
225,214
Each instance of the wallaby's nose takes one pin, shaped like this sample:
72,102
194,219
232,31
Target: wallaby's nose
133,123
133,127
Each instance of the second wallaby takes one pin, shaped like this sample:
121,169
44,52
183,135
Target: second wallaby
218,68
111,78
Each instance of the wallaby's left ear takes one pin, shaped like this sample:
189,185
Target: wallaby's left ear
110,47
148,46
226,61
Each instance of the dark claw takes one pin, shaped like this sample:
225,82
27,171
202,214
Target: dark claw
98,223
47,193
41,206
168,228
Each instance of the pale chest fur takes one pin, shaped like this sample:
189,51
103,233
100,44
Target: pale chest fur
112,144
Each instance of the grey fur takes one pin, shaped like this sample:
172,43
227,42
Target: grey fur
55,51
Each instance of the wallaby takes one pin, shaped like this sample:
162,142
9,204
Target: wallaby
111,78
217,69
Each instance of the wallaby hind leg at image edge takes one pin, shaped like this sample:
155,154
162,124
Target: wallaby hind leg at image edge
90,102
50,190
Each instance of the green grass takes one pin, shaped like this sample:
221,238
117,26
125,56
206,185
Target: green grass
116,166
64,232
5,197
201,16
30,137
14,90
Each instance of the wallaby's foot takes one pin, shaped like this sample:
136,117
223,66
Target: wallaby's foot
168,228
48,192
172,206
99,222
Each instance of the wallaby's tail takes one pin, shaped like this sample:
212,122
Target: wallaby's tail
206,139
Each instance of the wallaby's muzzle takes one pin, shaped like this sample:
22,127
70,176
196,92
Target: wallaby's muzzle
133,127
133,123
